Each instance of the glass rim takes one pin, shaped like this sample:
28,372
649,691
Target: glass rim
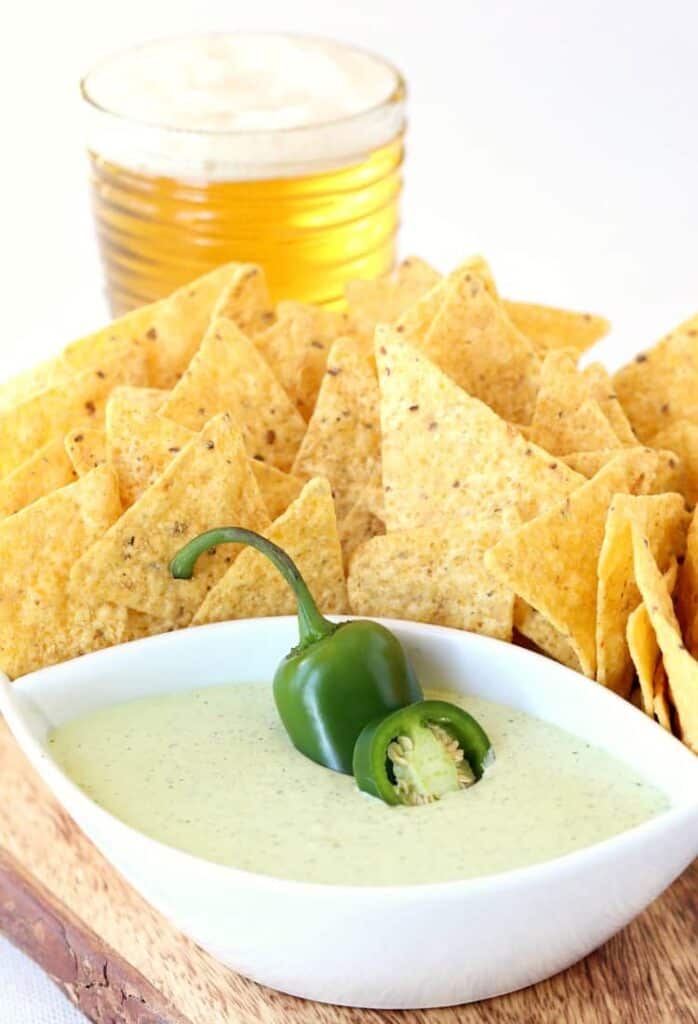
395,97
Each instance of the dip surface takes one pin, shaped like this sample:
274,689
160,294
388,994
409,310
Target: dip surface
212,772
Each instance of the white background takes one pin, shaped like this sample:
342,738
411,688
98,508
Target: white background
559,138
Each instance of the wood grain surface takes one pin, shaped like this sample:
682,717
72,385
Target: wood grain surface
122,963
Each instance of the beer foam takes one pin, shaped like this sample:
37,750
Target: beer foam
241,106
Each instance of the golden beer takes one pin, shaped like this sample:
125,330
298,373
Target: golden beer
277,150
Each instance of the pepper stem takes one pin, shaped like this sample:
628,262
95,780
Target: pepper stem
312,625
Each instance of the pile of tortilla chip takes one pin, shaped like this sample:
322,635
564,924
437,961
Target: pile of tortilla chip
434,452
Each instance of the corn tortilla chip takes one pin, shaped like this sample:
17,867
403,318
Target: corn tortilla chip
543,635
139,625
668,475
644,651
208,484
372,495
385,298
681,437
86,448
140,443
577,430
278,489
46,471
589,463
128,332
680,666
661,386
37,378
439,443
52,413
664,521
228,374
661,706
296,347
434,574
474,342
643,645
415,321
551,561
687,589
567,418
342,442
40,624
245,300
364,519
253,587
170,330
552,328
358,526
601,388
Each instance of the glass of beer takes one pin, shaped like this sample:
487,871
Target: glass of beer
280,150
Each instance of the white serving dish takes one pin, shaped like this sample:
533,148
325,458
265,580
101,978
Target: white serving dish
382,947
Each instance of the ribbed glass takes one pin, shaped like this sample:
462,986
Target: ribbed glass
311,234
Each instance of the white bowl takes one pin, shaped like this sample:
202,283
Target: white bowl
383,947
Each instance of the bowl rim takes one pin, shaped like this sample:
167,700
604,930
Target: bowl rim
512,879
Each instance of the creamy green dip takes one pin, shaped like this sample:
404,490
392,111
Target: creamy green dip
213,773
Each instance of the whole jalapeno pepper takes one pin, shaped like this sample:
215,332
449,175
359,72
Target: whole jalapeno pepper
419,753
339,676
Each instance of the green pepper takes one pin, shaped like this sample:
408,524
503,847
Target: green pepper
419,753
339,677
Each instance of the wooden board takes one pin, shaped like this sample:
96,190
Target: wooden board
122,963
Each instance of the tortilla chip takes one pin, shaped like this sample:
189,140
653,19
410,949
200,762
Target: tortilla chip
139,625
664,521
253,587
680,666
372,495
385,298
644,651
37,378
551,328
601,388
566,417
128,332
228,374
434,574
543,636
297,346
473,341
208,484
170,330
415,323
40,624
661,386
358,526
687,589
50,414
140,443
416,320
46,471
589,463
364,519
342,442
681,437
661,706
668,475
86,448
439,443
245,300
551,561
278,489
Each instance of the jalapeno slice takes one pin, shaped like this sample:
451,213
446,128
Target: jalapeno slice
420,752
